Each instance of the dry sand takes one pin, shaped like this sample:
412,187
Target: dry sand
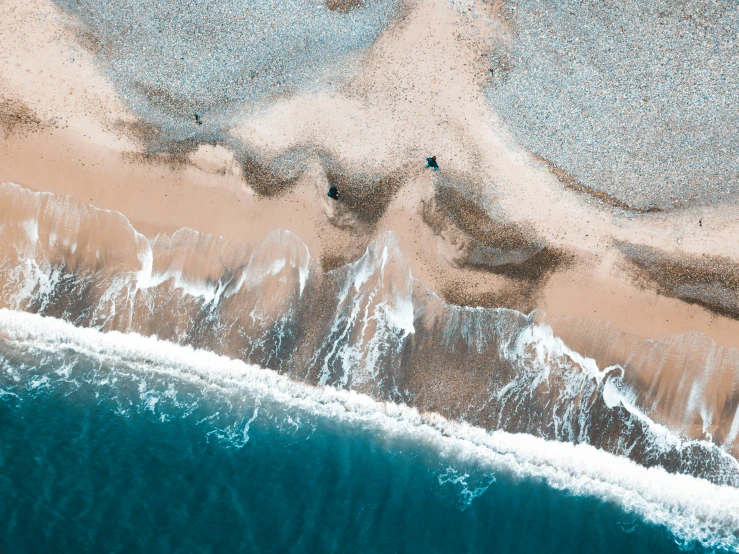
418,92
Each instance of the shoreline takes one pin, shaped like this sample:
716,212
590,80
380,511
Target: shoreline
665,498
593,307
222,205
513,235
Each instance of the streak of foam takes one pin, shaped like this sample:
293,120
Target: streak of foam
734,429
546,364
30,226
462,482
373,317
132,274
243,300
693,509
33,281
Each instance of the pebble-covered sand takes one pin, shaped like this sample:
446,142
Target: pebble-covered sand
710,281
635,99
172,60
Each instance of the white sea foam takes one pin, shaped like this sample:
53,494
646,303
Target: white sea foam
693,509
374,315
734,429
377,311
467,492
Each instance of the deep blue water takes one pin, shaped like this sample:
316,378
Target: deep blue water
85,466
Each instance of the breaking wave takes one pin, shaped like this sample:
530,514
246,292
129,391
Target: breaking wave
368,327
171,380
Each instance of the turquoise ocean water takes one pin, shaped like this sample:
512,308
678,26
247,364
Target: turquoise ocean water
120,452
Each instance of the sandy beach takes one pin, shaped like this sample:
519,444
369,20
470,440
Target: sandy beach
654,292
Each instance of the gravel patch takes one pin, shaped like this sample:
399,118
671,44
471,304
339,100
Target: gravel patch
171,60
637,100
709,281
16,118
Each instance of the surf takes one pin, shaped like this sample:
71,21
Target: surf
693,509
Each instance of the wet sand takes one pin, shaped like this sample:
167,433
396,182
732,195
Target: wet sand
370,136
221,204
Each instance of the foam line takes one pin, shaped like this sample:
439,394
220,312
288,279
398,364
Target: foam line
379,307
692,509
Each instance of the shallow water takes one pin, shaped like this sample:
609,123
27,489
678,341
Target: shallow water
112,442
94,457
187,393
368,326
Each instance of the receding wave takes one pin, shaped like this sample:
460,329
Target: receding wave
167,378
368,326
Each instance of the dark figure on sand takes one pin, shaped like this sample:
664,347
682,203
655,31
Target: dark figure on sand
333,192
198,120
431,162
